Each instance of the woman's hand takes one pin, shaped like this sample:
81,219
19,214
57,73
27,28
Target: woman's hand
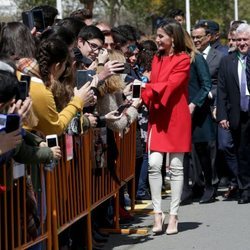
57,154
136,103
92,119
95,81
127,91
191,108
103,56
113,116
84,92
110,68
9,141
43,144
21,108
93,66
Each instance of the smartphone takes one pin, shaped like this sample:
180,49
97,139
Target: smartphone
27,79
52,140
122,107
34,18
126,70
12,123
23,91
27,18
84,76
38,18
136,90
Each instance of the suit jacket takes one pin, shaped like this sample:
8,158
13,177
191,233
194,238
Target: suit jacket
213,60
228,98
198,88
222,48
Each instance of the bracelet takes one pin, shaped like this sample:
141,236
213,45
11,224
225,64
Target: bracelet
100,64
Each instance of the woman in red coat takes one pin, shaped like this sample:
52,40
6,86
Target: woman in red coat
169,118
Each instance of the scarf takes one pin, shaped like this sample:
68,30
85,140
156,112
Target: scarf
28,66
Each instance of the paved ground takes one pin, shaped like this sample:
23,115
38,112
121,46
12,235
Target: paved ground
222,225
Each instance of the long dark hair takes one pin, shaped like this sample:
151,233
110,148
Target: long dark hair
147,50
174,30
16,41
50,52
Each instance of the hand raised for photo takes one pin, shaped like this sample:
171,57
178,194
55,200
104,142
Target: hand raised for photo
22,108
137,103
103,56
9,141
57,154
84,92
127,91
110,68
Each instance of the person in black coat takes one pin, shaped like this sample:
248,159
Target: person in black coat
232,112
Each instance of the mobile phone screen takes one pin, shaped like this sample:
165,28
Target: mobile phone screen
12,122
27,79
136,91
84,76
38,20
23,90
52,142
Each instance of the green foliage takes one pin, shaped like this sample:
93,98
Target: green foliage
29,4
220,11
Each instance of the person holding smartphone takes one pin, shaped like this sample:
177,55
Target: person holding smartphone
23,147
169,127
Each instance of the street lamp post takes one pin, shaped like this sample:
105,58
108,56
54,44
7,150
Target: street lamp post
59,8
236,14
188,26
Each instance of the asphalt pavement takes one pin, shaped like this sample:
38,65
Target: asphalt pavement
221,225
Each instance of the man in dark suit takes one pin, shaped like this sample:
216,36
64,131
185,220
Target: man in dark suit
233,105
202,36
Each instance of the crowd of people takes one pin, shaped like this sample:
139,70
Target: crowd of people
193,116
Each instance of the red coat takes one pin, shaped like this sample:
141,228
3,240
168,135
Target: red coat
166,97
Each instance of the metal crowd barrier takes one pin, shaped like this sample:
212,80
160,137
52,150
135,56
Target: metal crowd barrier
73,189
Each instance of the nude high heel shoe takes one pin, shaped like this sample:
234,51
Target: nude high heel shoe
158,223
172,226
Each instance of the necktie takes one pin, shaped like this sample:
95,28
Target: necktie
248,71
244,99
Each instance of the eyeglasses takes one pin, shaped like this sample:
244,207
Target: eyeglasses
106,45
198,37
94,46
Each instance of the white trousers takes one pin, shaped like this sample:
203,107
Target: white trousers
176,180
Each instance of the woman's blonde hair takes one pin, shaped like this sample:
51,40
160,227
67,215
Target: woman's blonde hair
190,47
115,82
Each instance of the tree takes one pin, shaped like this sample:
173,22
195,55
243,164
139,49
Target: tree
29,4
